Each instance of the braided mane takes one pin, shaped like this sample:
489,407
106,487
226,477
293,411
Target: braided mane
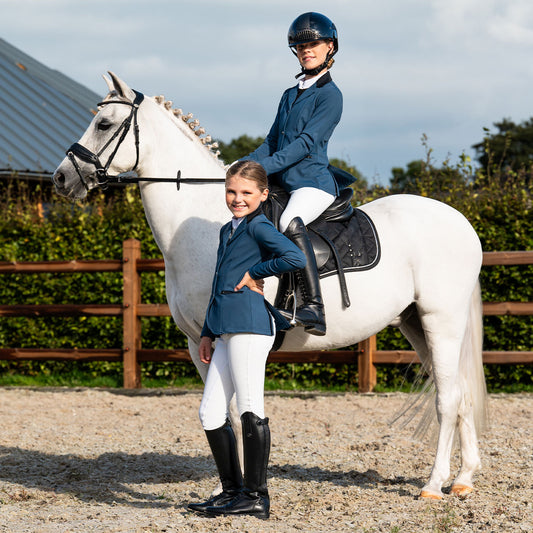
194,125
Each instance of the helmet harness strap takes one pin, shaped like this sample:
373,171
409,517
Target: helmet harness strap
328,63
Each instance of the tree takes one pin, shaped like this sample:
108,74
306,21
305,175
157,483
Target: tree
422,177
511,147
238,147
405,179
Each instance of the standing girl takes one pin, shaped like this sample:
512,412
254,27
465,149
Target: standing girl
294,153
244,326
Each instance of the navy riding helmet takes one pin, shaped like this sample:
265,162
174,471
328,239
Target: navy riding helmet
310,27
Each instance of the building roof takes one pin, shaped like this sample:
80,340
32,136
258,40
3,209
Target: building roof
42,112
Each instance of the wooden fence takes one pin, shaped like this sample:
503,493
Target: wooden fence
132,310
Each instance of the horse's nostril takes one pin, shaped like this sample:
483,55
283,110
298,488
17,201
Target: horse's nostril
59,179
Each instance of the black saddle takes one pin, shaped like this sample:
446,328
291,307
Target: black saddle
344,239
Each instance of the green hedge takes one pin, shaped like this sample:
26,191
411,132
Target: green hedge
498,206
65,231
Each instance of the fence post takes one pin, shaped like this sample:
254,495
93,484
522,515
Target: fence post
366,368
131,252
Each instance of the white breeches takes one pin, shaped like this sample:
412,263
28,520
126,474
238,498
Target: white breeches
308,203
237,366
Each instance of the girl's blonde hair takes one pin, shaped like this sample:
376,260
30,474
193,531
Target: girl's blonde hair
250,170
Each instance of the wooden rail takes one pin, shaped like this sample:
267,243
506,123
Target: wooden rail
366,356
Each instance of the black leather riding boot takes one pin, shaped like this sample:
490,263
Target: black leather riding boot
224,448
310,313
253,499
285,290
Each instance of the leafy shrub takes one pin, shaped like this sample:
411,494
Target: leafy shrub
39,226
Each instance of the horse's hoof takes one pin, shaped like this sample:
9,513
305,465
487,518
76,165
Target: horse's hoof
427,495
461,491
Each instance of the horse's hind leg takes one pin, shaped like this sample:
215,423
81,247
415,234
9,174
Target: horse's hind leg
452,413
456,347
445,345
472,411
411,327
470,460
454,404
439,353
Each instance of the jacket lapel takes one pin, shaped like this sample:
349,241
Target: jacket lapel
238,231
306,94
224,240
241,228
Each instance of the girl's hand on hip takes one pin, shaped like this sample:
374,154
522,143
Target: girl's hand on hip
206,349
255,285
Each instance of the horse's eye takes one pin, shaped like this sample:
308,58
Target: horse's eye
103,126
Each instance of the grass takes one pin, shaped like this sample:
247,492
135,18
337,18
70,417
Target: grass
79,379
58,380
88,379
446,519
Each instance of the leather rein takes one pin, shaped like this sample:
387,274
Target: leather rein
102,177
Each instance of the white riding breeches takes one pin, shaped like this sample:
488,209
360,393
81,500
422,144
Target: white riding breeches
237,366
308,203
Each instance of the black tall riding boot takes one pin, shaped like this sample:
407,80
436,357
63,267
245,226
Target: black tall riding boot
253,499
224,448
310,313
285,290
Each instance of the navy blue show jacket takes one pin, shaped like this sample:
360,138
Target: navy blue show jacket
294,153
258,248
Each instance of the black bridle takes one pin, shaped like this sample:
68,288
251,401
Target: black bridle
102,177
79,151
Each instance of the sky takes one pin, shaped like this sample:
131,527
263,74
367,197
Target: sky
445,69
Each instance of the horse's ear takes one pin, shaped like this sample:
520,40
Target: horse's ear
120,87
109,83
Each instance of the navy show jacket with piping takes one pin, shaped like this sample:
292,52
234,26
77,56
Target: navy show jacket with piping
294,153
259,248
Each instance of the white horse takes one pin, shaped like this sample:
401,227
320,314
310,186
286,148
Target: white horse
426,282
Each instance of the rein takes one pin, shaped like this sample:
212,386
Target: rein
178,180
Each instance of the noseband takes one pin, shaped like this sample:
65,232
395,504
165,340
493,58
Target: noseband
84,154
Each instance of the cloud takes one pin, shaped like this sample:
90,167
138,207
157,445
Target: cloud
515,25
446,68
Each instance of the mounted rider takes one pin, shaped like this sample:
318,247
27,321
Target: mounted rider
294,153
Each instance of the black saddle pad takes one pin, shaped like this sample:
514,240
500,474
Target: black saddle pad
342,237
352,245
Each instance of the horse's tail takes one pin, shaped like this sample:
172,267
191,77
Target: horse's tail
471,373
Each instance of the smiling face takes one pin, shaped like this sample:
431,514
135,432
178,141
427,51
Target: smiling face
243,196
313,54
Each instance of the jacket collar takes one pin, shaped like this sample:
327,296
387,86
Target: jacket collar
251,216
326,78
323,80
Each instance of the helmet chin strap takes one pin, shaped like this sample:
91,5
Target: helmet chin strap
328,63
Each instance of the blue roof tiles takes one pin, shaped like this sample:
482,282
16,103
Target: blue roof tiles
42,112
